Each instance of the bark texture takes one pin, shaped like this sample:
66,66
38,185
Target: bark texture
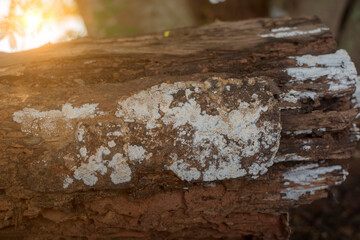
209,132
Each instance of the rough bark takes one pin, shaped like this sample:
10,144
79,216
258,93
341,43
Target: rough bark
174,137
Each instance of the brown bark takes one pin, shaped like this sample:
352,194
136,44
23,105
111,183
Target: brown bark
104,171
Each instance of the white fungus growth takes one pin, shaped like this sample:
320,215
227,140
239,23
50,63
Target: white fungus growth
115,134
137,107
293,96
308,174
122,171
291,32
68,180
307,178
80,134
216,1
183,170
337,67
290,157
86,110
283,29
111,144
306,147
238,125
135,153
298,132
306,131
83,151
356,96
95,165
209,184
34,121
355,133
296,193
67,111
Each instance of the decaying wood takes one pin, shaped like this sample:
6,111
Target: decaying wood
174,137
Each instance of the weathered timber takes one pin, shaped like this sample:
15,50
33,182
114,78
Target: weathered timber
212,132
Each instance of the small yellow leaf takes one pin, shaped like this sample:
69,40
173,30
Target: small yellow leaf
166,33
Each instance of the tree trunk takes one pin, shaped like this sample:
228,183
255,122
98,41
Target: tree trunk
208,132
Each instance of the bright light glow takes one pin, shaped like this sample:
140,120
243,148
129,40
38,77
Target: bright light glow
32,20
5,4
52,32
40,29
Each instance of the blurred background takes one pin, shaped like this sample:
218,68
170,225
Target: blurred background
27,24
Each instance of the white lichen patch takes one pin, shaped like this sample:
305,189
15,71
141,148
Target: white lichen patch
299,132
305,131
145,105
286,32
83,152
121,171
79,134
87,171
356,96
48,122
115,134
283,29
307,179
309,174
306,147
294,96
214,141
85,111
295,193
135,153
337,67
232,134
111,144
184,170
68,180
98,164
290,157
355,133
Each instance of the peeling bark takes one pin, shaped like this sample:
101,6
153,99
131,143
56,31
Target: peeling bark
211,132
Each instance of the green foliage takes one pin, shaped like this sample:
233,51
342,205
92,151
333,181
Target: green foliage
106,19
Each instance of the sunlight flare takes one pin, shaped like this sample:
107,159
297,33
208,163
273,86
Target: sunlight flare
41,22
32,20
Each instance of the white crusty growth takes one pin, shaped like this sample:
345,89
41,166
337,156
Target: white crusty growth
67,111
337,67
356,95
285,32
121,171
290,157
307,179
68,180
293,96
233,135
95,165
44,122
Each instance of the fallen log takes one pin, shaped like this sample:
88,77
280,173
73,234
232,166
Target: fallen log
211,132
